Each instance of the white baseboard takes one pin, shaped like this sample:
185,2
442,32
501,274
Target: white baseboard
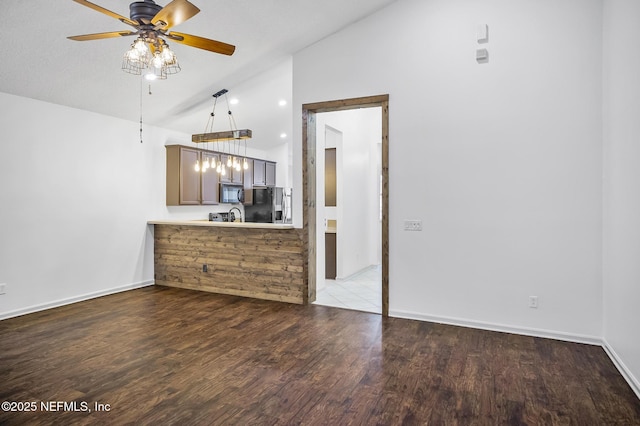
74,299
622,368
548,334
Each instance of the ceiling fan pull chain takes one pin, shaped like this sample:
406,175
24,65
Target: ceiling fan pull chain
141,82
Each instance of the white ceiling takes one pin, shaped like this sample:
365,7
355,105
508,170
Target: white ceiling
39,62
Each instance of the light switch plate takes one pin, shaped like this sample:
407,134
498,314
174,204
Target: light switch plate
482,33
413,225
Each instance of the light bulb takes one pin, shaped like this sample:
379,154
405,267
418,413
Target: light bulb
229,162
245,164
213,163
168,56
197,167
218,168
133,54
206,163
141,46
238,168
223,171
157,60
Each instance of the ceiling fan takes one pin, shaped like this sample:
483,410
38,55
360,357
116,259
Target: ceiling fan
152,23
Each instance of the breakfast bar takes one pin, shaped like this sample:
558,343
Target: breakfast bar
258,260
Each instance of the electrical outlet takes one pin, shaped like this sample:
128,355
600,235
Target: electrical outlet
205,268
533,302
413,225
3,288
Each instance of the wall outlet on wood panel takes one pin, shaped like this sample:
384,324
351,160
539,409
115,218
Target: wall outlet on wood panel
3,288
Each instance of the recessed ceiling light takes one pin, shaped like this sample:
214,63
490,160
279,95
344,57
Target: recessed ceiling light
282,102
283,135
234,101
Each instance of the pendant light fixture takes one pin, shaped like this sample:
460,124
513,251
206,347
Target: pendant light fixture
231,142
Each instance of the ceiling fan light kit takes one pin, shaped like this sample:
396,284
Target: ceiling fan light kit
139,59
150,54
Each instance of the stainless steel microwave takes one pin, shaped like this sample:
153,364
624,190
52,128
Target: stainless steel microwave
232,194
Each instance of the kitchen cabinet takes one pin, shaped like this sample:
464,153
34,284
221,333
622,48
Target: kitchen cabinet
270,173
209,180
264,173
232,175
248,184
258,172
185,185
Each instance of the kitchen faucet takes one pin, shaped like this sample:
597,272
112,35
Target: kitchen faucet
231,217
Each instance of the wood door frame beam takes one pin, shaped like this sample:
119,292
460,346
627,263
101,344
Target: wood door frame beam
309,112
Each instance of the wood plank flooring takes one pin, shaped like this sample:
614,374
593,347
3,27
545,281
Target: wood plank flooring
166,356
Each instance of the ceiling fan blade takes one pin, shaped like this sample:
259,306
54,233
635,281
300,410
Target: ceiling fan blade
202,43
98,36
107,12
173,14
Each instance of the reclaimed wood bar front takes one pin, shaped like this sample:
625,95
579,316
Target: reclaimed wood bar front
262,261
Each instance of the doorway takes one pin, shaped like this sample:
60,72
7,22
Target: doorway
309,152
348,241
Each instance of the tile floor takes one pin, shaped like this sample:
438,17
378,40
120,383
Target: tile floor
361,291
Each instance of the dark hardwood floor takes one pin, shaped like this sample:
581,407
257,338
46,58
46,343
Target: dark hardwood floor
171,356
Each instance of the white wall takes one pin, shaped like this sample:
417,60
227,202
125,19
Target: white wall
622,184
501,161
280,154
77,190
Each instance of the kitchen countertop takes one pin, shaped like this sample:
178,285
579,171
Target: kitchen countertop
204,222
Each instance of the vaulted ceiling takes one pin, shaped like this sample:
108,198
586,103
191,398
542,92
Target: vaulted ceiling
39,62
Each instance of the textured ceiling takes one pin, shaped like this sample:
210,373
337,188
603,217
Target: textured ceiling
40,62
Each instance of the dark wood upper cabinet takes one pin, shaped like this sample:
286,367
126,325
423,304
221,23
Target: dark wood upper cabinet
270,173
264,173
183,182
185,185
188,186
209,181
232,175
258,172
189,178
248,183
